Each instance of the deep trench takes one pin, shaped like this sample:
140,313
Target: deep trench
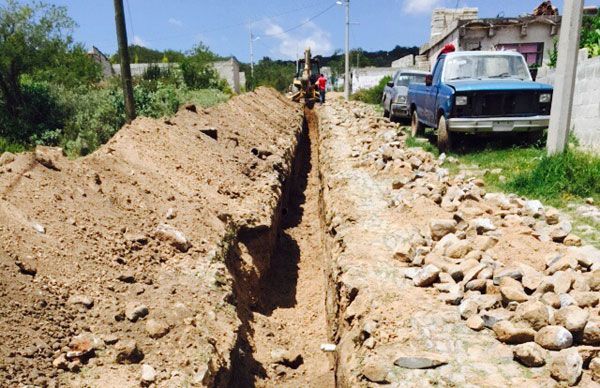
281,295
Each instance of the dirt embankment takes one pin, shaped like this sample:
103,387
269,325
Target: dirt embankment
123,257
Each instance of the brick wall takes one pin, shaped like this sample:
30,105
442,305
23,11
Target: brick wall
585,120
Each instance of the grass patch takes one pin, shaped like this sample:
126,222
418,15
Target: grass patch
569,176
416,142
8,146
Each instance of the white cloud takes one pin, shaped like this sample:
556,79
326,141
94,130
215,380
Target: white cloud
290,44
420,6
175,22
137,40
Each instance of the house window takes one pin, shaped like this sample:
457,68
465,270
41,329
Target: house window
533,52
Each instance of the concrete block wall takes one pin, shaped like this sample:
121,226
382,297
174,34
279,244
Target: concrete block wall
368,77
585,120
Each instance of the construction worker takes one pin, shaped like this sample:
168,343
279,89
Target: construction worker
322,84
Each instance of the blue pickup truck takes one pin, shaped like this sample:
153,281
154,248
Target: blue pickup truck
478,92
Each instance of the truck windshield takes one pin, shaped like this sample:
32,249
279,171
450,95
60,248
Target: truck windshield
485,66
407,79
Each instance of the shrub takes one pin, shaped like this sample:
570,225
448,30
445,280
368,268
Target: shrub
374,94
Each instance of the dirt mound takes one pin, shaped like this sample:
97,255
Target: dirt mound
129,243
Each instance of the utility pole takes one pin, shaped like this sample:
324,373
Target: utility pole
124,55
252,40
252,57
347,72
566,73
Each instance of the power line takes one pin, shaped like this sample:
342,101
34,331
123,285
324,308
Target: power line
130,21
303,23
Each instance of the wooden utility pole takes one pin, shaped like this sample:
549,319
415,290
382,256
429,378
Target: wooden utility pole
124,55
566,73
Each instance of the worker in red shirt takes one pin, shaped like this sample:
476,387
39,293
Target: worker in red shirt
322,84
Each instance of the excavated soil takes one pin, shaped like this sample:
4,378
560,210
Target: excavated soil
85,268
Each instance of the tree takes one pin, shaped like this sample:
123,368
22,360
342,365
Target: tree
590,34
197,68
31,37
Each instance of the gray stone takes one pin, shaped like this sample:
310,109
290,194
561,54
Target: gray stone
585,298
567,366
420,361
173,236
439,228
530,354
6,158
490,318
554,338
375,371
567,300
512,272
475,323
148,373
560,231
513,294
571,318
551,299
591,333
534,313
562,281
467,308
83,300
426,276
156,329
508,333
482,225
135,311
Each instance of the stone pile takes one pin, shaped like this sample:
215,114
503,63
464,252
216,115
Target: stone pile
547,307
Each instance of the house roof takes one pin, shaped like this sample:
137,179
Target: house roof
486,23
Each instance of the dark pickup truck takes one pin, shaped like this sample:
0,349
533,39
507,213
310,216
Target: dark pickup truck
477,92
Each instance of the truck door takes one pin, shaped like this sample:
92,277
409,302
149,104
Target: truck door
430,102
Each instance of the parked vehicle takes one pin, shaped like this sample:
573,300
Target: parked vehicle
479,91
395,93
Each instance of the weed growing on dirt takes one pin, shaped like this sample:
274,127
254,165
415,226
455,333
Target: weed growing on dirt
372,95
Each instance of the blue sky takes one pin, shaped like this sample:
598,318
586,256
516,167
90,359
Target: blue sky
224,24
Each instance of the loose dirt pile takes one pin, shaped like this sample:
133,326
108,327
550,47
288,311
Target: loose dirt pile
433,280
123,257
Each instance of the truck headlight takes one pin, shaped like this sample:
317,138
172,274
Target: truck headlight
401,99
461,100
545,97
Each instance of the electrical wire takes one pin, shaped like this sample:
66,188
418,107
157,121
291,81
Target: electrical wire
301,24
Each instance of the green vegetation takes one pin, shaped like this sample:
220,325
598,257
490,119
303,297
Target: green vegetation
527,170
572,175
52,92
590,34
374,94
139,54
274,73
278,74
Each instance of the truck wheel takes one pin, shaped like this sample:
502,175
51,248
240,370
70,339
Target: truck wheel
416,127
444,136
386,113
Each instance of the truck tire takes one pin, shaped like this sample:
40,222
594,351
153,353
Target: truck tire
444,136
386,113
416,127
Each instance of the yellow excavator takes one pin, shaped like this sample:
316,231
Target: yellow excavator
305,81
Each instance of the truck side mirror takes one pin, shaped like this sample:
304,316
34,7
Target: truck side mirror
428,80
390,84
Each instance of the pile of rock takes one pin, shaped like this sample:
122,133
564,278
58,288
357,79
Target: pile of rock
550,314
